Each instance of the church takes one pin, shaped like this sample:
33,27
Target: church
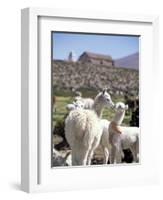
98,59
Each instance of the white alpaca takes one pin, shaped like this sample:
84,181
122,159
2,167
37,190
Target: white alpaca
75,105
104,125
105,144
83,129
105,136
106,147
124,137
70,107
88,102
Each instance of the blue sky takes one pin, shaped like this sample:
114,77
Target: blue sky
114,45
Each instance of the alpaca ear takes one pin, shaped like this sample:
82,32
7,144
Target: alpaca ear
116,106
104,90
126,107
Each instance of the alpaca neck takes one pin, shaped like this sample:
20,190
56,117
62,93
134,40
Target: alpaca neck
119,118
98,109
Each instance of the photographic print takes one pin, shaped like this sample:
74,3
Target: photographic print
95,99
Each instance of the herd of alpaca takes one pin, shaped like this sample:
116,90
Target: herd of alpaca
85,130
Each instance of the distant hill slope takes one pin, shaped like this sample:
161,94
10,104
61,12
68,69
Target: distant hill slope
131,61
68,75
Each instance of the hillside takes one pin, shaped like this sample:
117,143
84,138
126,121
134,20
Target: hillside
68,75
131,61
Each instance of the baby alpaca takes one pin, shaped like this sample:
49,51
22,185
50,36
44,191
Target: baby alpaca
124,137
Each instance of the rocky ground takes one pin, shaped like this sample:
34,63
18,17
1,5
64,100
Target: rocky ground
77,75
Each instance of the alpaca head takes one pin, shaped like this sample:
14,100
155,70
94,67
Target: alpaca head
77,98
104,99
120,107
78,104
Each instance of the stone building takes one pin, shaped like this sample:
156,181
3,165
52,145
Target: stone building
100,59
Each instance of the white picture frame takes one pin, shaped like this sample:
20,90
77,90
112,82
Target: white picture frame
36,171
